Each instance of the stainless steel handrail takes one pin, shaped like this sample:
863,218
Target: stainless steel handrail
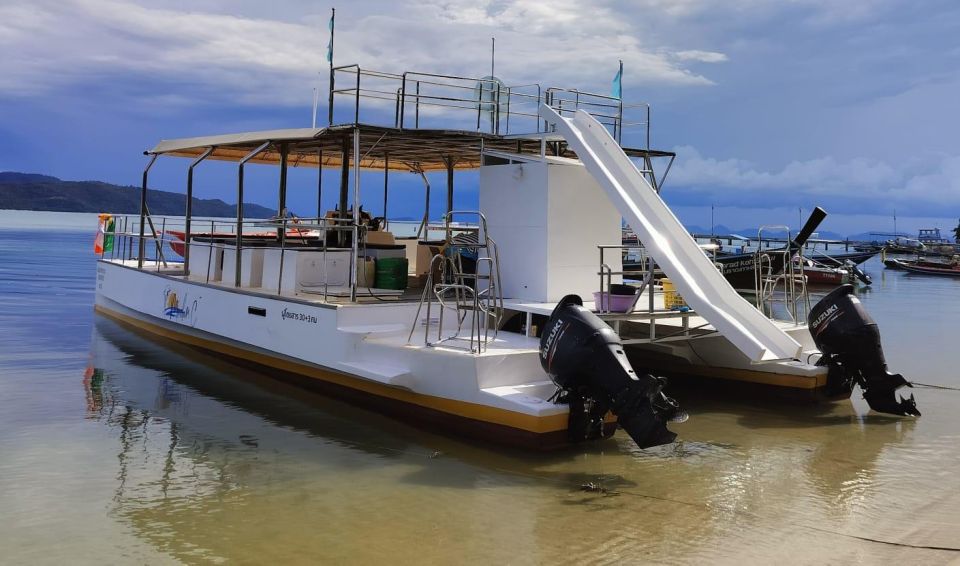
766,282
484,304
125,237
413,90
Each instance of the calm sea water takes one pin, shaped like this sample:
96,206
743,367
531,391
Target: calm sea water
119,448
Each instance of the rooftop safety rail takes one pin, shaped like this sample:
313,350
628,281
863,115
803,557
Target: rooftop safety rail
608,110
483,104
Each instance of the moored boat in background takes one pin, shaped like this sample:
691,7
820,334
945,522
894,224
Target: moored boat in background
946,269
819,274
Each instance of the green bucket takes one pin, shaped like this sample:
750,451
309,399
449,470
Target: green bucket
391,273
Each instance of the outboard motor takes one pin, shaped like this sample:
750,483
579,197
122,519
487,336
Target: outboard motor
585,358
850,342
857,272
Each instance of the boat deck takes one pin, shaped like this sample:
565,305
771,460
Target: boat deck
662,323
642,326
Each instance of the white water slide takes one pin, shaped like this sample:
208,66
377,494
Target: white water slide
703,287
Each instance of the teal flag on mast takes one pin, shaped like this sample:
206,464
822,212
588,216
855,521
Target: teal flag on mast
617,90
330,43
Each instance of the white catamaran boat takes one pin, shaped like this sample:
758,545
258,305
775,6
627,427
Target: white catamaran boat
482,324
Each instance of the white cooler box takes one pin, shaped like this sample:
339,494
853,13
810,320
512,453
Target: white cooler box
305,269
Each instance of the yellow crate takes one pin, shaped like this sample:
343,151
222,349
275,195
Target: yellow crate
671,299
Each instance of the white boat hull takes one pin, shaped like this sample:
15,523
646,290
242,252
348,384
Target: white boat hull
356,350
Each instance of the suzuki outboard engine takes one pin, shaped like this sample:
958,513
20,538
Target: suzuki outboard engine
585,358
850,342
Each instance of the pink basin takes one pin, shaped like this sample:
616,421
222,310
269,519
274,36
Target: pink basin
618,303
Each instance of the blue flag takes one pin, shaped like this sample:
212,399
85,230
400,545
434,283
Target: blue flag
330,43
617,90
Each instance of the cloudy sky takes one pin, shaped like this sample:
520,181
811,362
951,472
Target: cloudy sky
771,106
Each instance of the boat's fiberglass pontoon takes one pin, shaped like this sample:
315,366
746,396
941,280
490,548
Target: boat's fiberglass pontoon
483,326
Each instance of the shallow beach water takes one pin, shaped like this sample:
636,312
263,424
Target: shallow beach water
116,447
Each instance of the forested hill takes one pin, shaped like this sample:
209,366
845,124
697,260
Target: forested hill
27,191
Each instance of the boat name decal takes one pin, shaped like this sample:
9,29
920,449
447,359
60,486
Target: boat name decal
739,265
179,308
299,316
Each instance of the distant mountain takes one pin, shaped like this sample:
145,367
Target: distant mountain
722,230
718,229
30,191
874,237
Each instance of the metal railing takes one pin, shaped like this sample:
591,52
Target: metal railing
647,284
788,283
608,110
607,273
219,237
482,104
466,293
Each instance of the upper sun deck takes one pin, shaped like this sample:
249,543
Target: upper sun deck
423,122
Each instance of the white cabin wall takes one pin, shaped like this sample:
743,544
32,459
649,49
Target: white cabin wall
513,199
581,217
547,219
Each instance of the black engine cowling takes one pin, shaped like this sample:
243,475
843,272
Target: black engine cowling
850,341
585,358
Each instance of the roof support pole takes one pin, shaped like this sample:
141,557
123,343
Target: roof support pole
449,161
282,204
333,14
189,211
141,247
356,214
423,231
248,157
319,183
386,188
344,187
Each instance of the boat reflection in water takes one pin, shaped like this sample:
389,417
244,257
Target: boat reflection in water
217,462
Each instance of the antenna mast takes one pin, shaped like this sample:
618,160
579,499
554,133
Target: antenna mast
333,16
493,52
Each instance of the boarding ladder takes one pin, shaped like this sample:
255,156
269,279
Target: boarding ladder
789,281
473,297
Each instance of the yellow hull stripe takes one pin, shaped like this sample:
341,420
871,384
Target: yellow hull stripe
761,377
512,419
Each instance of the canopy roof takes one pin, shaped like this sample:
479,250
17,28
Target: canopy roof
402,150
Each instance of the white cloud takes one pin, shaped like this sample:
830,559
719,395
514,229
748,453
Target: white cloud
822,174
51,44
702,56
819,12
923,187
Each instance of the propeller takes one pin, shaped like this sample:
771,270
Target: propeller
883,398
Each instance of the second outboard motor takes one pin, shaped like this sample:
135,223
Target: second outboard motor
850,342
585,358
857,272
